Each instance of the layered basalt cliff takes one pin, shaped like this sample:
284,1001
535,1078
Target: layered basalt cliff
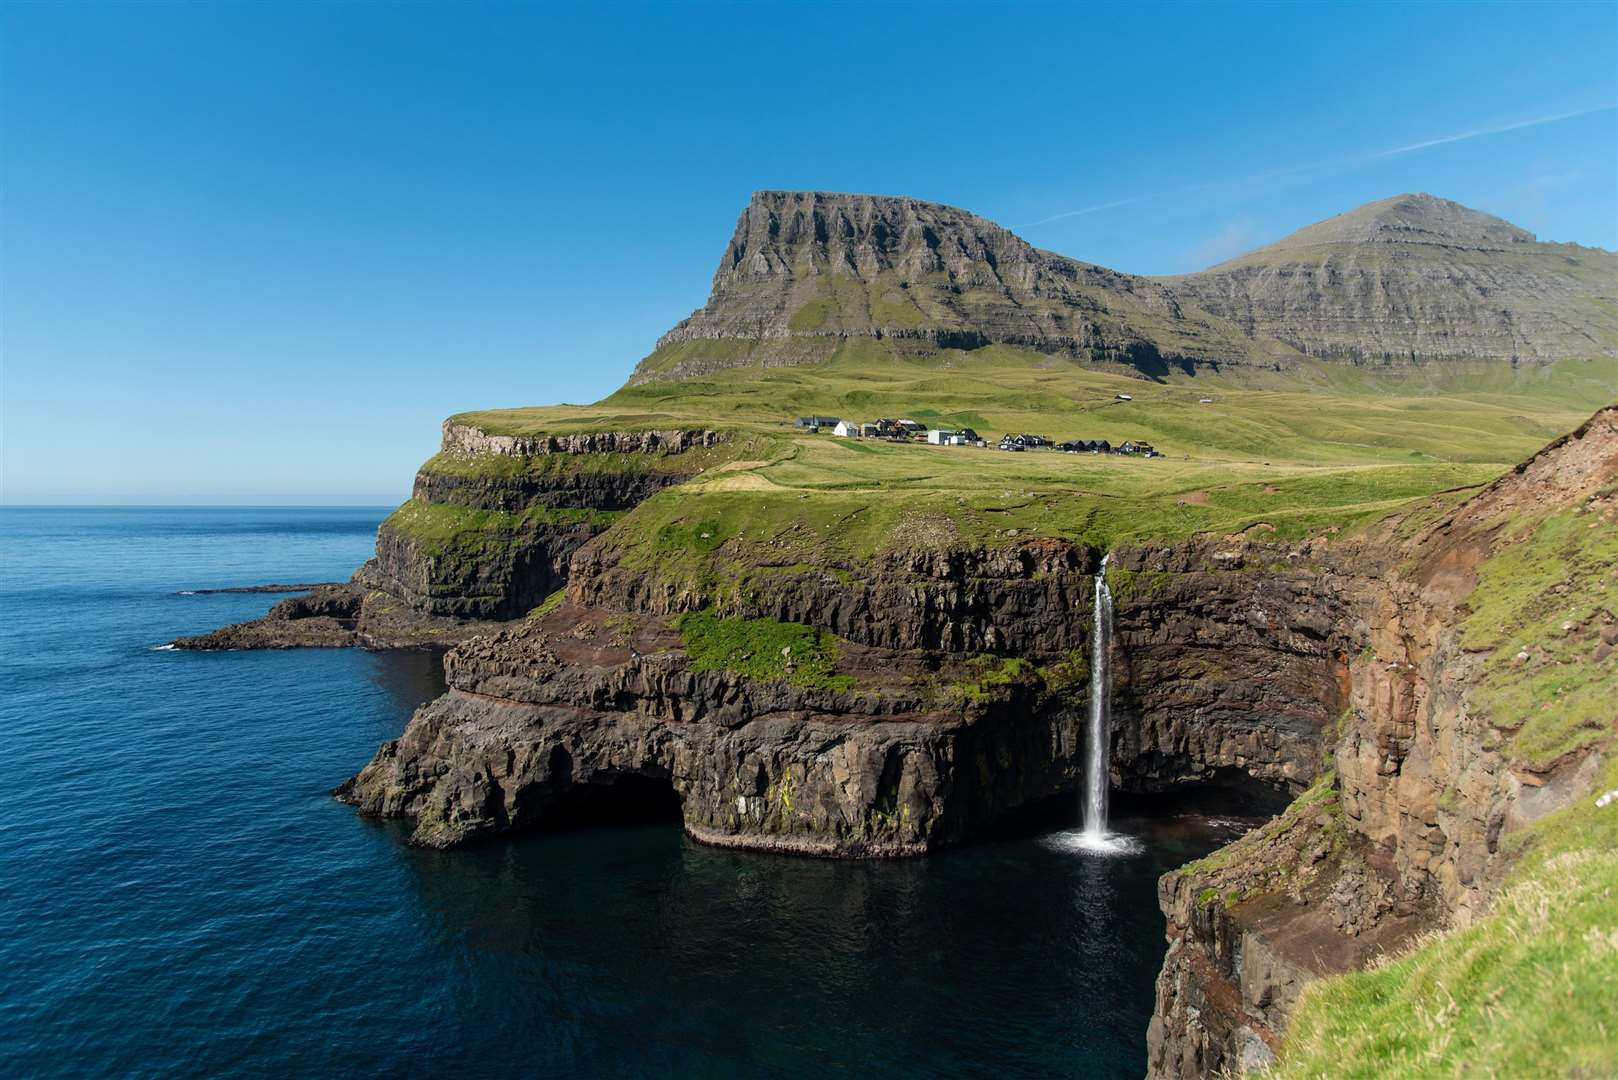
488,534
804,270
968,737
493,520
1401,282
1435,763
569,708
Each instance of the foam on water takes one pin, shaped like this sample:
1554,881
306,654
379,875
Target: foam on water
1082,841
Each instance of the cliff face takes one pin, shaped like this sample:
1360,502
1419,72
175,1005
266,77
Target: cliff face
493,520
1413,279
928,744
1436,761
492,524
804,269
582,705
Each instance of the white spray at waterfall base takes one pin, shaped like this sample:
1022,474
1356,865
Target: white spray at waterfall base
1093,836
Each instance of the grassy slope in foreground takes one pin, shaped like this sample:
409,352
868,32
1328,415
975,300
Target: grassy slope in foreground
1529,990
1526,991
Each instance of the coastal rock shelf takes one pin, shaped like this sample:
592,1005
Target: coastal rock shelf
1338,667
919,746
571,707
673,603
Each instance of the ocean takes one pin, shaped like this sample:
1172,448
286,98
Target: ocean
182,897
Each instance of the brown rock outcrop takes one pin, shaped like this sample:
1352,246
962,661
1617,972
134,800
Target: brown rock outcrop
544,715
1407,833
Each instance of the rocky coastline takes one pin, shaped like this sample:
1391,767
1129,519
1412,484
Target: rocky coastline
1334,669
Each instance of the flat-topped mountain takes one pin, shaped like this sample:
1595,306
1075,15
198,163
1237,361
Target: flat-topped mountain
1417,278
806,269
1402,281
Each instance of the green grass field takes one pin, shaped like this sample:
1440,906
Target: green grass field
1320,414
1327,448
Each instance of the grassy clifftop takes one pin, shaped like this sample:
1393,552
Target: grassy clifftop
1286,457
1321,413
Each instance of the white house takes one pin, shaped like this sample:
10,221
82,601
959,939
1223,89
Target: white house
944,437
847,429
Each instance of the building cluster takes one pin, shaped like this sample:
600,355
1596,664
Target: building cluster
904,430
901,430
1077,446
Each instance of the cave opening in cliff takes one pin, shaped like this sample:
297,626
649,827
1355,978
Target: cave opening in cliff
1230,798
1224,791
627,798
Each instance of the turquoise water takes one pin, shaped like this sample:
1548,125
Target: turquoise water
181,897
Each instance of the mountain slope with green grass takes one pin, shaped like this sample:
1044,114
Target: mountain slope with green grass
1406,282
1416,279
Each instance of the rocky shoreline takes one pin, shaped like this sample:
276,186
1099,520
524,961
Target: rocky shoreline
952,698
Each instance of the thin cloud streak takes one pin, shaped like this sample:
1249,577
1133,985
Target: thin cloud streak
1088,210
1497,130
1347,162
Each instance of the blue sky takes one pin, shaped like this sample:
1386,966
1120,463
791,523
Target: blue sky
256,252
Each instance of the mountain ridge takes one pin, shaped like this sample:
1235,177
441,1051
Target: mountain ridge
1402,281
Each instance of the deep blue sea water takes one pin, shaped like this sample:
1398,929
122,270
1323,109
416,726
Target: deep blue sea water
181,897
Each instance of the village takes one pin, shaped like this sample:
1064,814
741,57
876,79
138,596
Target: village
913,431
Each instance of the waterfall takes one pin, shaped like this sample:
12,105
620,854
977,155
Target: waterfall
1100,729
1092,837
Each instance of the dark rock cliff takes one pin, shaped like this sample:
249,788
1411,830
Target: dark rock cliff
1409,830
804,269
578,704
910,630
489,532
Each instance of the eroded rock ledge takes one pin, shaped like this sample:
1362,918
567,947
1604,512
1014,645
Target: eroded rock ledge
1218,667
1406,832
489,532
560,709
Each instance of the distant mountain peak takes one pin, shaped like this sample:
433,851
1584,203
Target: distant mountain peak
1416,218
1416,278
